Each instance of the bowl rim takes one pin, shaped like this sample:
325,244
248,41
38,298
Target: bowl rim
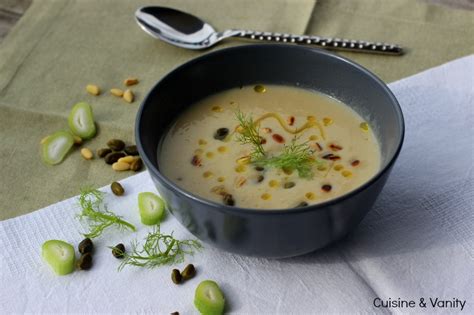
279,211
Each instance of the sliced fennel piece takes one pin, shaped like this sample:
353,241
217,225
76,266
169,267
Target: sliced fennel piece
56,146
209,299
151,208
59,255
81,121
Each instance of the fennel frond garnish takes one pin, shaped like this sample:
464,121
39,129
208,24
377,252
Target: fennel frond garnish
98,217
295,156
159,249
248,133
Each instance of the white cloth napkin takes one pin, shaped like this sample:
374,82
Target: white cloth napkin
417,242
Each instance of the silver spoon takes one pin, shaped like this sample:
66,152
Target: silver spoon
188,31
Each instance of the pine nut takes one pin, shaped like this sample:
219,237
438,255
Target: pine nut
130,81
127,159
93,89
120,166
128,96
87,153
116,92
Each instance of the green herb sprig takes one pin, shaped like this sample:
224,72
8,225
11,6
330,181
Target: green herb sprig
295,156
99,218
249,134
159,249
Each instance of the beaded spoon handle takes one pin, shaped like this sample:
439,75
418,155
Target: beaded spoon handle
323,42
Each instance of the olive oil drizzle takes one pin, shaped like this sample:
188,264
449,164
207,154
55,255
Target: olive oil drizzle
281,121
309,124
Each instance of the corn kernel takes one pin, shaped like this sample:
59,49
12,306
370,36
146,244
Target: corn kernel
222,149
338,167
310,195
217,109
273,183
259,89
240,168
202,142
327,121
243,160
364,126
207,174
322,168
266,196
240,181
209,155
220,179
346,173
313,137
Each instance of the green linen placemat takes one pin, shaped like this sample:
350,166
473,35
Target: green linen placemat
59,47
431,34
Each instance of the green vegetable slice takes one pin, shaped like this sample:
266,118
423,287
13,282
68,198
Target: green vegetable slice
81,121
56,146
151,207
59,255
209,299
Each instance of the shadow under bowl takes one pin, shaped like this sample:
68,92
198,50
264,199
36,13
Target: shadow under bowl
281,232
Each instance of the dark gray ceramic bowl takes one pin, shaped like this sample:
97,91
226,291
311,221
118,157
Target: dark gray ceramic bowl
270,233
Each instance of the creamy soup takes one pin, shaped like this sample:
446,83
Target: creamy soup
269,147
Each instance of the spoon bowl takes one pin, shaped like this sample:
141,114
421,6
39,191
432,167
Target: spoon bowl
176,27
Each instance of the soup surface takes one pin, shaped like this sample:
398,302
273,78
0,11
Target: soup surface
269,147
